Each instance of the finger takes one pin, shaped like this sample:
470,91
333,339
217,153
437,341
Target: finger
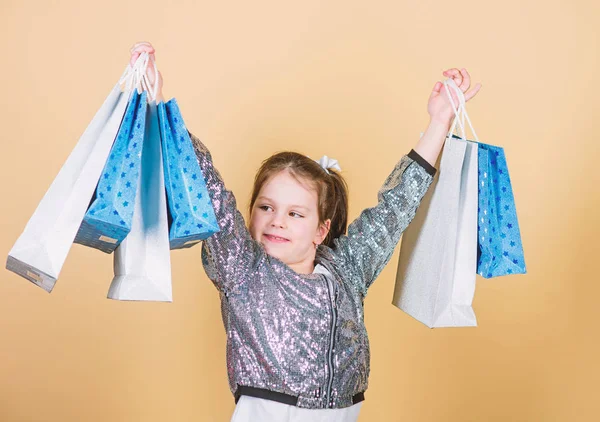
471,93
134,58
136,54
451,92
150,68
137,44
455,75
454,96
451,72
133,47
141,48
436,89
466,80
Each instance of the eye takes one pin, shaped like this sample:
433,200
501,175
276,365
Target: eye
296,215
264,207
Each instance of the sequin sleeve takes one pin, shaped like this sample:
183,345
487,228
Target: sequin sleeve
227,255
373,236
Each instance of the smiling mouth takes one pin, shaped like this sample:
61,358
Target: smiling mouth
275,239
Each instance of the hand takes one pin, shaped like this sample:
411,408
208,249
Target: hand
439,107
135,51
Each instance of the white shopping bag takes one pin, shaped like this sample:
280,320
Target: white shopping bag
40,251
142,262
435,282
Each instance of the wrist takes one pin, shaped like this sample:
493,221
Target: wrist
439,123
432,141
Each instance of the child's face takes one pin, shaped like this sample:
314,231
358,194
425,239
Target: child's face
285,220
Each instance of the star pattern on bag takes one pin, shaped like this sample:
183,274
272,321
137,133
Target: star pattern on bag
189,204
498,254
109,215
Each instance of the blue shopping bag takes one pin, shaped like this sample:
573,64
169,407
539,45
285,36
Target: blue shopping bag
500,250
142,262
191,214
109,216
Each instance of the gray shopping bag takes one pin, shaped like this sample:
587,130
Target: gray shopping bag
41,250
435,282
142,262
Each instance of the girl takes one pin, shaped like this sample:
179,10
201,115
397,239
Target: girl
292,284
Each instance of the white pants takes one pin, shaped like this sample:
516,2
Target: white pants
253,409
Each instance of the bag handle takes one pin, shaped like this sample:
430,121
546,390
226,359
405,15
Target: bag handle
460,111
127,77
132,76
152,91
135,76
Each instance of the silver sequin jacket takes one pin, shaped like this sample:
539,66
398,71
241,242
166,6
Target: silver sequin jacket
304,334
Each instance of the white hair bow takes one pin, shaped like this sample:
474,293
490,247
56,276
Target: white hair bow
328,163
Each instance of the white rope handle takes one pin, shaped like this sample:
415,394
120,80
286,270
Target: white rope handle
135,76
449,83
144,80
155,88
128,77
460,111
132,77
152,90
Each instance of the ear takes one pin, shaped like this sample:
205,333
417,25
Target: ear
322,232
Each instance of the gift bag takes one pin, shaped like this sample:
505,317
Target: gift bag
108,219
435,282
142,262
40,251
500,250
191,214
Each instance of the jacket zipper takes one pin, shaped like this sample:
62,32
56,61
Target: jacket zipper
331,340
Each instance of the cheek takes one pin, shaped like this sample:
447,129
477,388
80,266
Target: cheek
256,223
306,229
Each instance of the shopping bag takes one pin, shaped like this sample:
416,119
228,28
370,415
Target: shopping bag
108,219
500,250
142,263
40,251
191,214
435,281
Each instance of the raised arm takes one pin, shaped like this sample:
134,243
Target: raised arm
372,237
228,255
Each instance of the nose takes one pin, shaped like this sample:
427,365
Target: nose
278,220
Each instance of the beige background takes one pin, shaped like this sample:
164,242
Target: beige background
346,79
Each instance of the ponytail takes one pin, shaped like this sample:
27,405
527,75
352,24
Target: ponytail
337,205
